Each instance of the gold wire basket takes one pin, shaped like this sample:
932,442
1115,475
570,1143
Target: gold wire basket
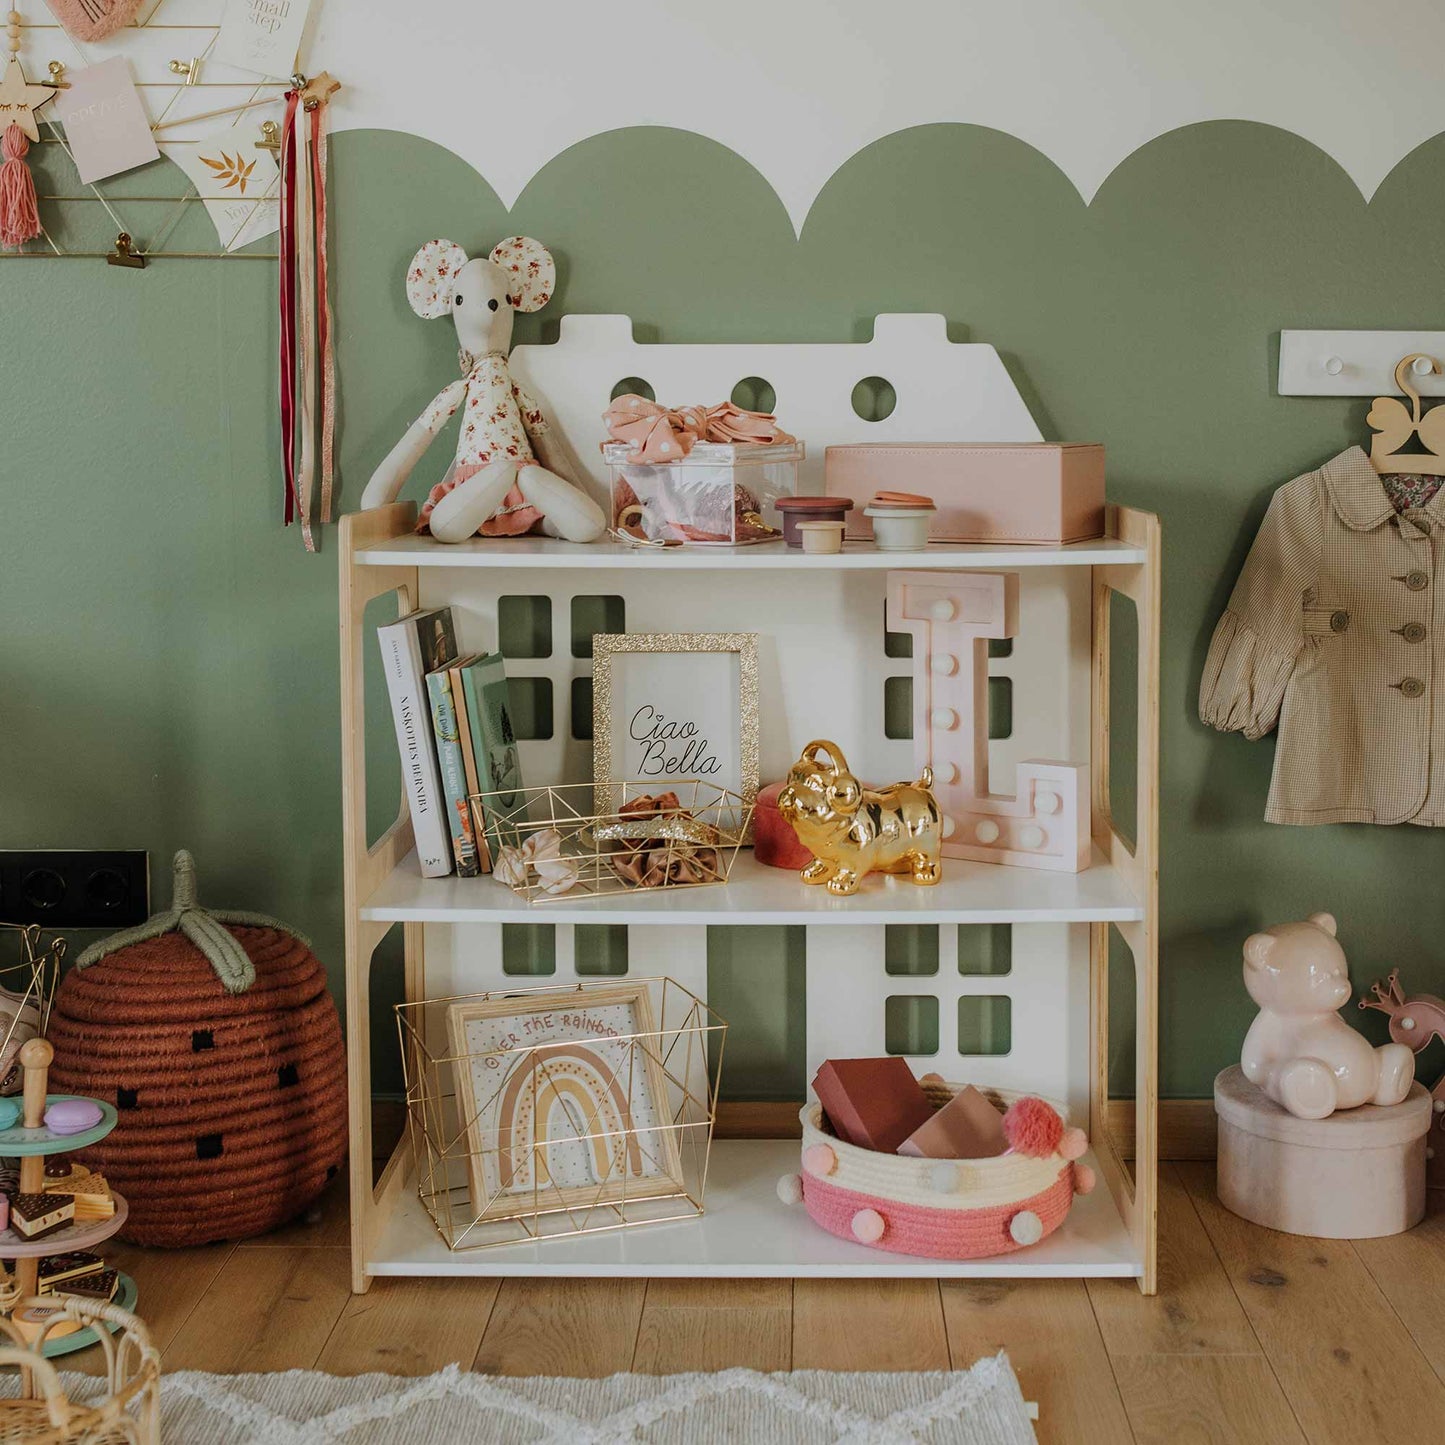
545,1113
27,989
582,840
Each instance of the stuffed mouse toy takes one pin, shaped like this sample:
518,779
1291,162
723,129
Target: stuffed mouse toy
508,476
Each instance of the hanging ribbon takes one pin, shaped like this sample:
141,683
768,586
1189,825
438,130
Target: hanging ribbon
323,311
656,435
308,361
287,249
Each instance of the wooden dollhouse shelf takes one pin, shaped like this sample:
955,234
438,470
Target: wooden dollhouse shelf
534,552
746,1233
969,893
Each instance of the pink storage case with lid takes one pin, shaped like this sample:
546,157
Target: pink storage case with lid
1034,492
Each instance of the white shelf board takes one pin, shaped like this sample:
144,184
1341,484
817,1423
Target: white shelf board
969,893
548,552
748,1233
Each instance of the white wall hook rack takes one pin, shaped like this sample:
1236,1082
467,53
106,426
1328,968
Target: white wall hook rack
1355,363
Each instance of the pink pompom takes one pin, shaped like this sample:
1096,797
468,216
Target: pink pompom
1073,1144
819,1159
1084,1179
1032,1128
868,1226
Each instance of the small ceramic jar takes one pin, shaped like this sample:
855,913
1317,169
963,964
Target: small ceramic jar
900,521
821,538
810,509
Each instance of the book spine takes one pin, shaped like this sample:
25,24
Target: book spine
401,662
469,766
485,711
453,773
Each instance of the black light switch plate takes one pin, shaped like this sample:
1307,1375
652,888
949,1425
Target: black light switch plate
60,888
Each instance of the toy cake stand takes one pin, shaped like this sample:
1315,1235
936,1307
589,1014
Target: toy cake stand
31,1142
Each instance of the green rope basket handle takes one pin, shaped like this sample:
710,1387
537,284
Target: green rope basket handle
207,928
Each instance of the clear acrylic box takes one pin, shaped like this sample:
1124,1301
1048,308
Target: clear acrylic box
720,494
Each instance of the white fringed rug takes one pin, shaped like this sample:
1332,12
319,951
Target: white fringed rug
979,1406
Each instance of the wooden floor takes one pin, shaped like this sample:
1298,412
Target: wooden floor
1254,1336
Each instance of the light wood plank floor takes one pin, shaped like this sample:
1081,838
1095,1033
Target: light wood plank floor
1254,1336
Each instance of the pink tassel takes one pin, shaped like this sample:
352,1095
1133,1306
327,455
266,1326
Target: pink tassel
19,218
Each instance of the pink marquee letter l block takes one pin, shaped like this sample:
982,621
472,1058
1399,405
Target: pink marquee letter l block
952,616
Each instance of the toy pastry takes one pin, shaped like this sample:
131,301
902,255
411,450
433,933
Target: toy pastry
33,1216
73,1116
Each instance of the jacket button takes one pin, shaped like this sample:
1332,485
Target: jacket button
1412,687
1416,581
1339,620
1413,632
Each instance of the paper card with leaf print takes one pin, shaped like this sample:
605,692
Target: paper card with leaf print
238,183
261,35
105,123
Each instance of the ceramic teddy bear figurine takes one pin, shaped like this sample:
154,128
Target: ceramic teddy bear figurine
510,475
1299,1050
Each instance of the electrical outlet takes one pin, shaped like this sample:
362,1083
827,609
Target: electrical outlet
61,888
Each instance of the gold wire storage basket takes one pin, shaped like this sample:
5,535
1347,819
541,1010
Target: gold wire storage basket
583,840
543,1113
27,990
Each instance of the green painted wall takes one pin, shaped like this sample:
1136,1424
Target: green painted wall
170,664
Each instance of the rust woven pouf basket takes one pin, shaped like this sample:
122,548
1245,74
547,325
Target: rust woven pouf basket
213,1035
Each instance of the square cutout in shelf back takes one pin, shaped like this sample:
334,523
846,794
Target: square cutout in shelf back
985,1025
524,626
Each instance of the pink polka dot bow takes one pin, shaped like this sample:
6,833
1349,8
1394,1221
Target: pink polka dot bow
656,435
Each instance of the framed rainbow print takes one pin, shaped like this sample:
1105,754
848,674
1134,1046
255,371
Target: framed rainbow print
563,1099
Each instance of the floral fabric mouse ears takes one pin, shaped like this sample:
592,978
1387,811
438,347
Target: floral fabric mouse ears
431,277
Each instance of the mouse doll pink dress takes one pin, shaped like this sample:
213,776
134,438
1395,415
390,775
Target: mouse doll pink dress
499,417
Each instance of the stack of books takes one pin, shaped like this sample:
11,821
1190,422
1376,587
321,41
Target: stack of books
454,731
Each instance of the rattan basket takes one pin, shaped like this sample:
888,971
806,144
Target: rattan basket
943,1209
127,1413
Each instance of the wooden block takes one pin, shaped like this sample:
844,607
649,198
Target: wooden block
967,1127
873,1103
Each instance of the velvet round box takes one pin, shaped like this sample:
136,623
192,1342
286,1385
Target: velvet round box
945,1208
774,841
214,1036
810,509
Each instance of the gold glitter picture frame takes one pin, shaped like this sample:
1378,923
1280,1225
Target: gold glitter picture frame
679,734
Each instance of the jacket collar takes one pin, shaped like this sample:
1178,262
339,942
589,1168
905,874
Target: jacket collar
1358,496
1354,487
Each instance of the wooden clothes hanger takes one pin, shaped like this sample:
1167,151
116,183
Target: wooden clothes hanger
1394,424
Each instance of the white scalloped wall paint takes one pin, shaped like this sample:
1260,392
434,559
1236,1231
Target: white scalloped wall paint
797,88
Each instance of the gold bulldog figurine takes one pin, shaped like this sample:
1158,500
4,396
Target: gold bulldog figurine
852,831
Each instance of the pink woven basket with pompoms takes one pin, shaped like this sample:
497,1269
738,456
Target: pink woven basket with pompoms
945,1208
